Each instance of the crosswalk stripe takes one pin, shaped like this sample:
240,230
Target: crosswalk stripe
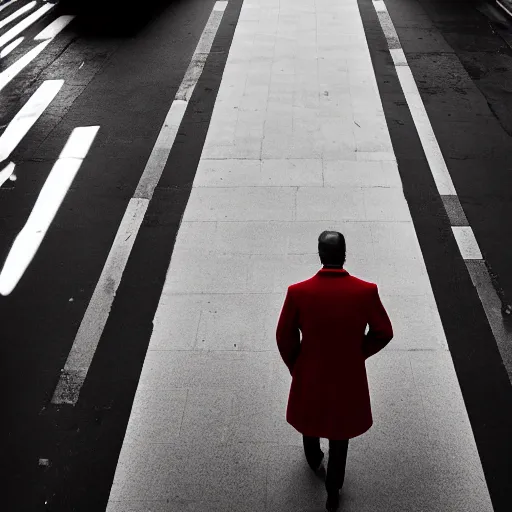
48,202
27,116
20,12
10,47
6,172
24,24
8,74
7,4
54,27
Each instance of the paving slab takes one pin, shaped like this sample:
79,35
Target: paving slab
298,143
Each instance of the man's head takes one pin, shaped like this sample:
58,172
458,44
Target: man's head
331,248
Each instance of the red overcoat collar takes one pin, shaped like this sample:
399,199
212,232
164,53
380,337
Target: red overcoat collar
332,271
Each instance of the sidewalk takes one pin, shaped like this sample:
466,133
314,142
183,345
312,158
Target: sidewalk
298,143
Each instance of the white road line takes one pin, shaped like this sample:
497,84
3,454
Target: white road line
464,235
16,14
380,6
420,117
27,116
8,74
504,7
22,25
161,149
95,318
48,202
89,333
54,27
7,4
10,47
468,246
398,56
6,172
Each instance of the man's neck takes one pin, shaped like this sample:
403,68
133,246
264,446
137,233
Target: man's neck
333,266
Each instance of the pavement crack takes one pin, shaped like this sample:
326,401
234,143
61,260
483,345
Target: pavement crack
505,128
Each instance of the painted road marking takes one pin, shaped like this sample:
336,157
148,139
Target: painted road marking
10,47
7,4
22,25
426,134
27,116
54,28
48,202
74,373
8,74
466,241
89,333
468,246
18,13
455,211
165,140
504,7
6,173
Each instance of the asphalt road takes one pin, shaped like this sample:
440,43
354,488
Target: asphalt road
122,66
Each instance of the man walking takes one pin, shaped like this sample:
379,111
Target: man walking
329,394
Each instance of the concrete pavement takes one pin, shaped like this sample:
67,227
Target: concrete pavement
297,143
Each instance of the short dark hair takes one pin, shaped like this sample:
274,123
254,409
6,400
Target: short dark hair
331,248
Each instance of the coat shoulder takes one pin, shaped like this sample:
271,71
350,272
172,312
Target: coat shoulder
311,284
301,285
362,284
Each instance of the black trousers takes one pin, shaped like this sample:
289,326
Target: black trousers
337,460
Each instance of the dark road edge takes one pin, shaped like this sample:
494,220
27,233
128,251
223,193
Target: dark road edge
480,371
91,433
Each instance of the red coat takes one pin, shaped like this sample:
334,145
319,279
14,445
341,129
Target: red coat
329,394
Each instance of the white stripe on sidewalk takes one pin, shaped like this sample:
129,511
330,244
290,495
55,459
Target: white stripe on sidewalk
468,246
22,25
8,74
16,14
27,116
48,202
89,333
10,47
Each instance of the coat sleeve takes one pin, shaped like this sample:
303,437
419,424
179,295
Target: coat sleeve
288,333
380,330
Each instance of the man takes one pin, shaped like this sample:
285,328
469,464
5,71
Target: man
329,394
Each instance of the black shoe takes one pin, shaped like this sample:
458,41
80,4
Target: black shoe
333,501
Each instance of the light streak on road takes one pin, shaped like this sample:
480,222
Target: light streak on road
54,27
27,116
8,74
10,47
7,4
7,173
16,14
48,202
22,25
